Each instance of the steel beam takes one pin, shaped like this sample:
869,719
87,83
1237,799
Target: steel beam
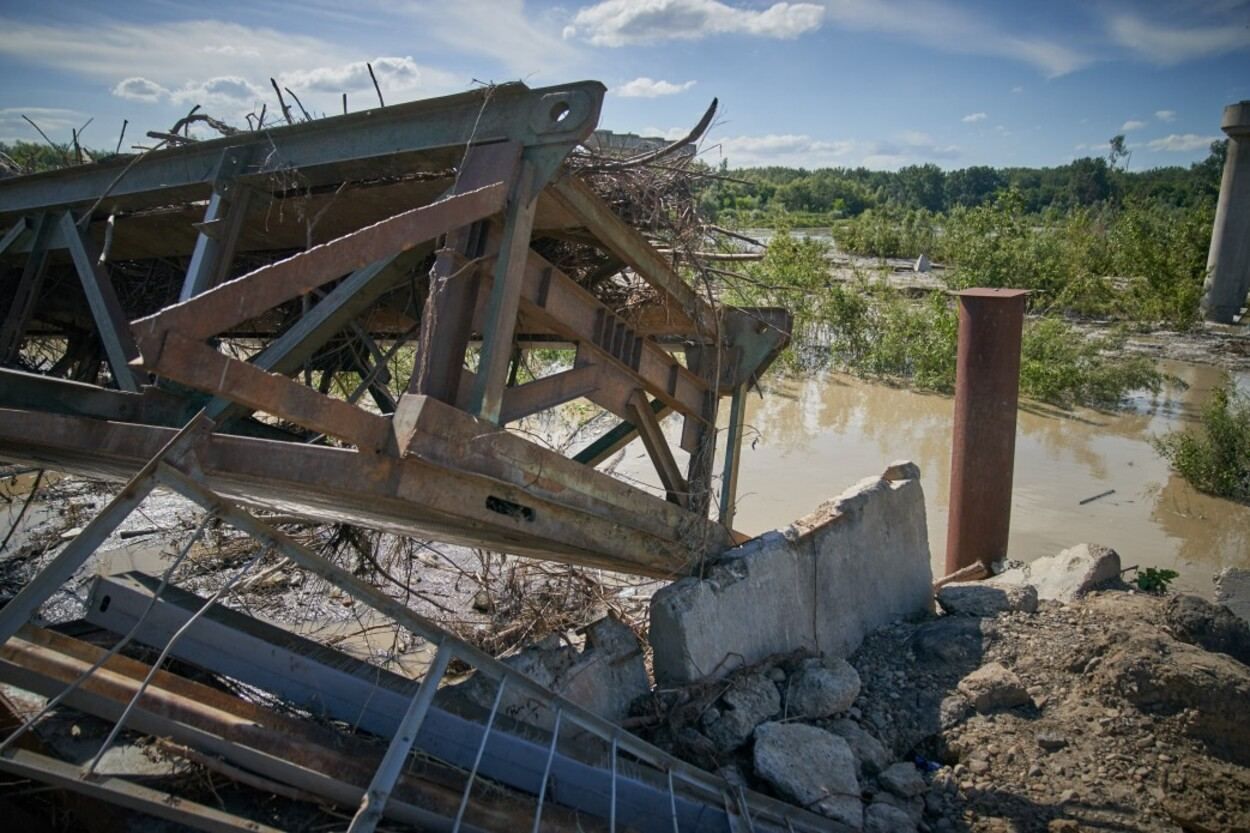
376,142
500,316
26,293
106,310
123,793
219,232
230,304
532,397
656,444
733,457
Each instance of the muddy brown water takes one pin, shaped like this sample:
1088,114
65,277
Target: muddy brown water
810,439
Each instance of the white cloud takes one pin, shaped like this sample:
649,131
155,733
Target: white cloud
171,54
1017,89
1182,142
644,87
804,151
973,117
1132,124
393,74
140,89
941,24
1165,115
629,22
1161,44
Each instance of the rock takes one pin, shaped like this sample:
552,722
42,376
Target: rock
922,264
1050,741
750,701
902,779
992,687
810,767
977,598
1063,826
886,818
821,689
869,752
1194,620
1232,589
1067,576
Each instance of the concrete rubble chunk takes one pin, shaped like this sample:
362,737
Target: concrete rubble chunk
812,768
751,700
1232,589
869,752
992,687
605,677
1068,575
858,562
822,688
922,264
902,779
886,818
976,598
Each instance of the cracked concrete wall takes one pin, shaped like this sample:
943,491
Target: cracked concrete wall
858,562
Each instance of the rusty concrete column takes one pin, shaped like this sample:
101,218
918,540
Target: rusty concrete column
987,385
1228,259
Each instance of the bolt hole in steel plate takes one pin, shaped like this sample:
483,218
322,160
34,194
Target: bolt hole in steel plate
561,112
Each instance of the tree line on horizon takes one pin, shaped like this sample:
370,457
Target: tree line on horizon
752,194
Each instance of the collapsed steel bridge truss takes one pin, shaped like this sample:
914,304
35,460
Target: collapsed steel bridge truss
180,319
418,225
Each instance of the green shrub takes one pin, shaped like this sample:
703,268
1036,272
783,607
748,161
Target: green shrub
888,233
1215,457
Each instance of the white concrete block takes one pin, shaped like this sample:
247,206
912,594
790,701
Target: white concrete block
858,562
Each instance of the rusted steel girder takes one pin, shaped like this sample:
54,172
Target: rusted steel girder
987,384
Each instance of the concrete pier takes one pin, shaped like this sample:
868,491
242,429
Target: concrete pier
1228,264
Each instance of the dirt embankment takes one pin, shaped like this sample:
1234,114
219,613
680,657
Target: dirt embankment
1117,712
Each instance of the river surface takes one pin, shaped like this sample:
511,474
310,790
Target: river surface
810,439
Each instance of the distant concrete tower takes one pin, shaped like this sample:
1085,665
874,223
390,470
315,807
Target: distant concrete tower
1228,263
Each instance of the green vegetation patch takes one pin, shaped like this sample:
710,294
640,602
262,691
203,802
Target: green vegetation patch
1215,456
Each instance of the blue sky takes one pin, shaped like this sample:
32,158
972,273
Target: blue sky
880,83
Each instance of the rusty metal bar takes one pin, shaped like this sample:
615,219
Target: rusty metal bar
123,793
987,384
216,310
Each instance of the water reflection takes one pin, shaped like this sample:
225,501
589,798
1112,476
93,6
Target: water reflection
812,438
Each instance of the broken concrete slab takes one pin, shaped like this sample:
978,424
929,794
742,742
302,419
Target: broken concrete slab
1067,575
976,598
605,677
858,562
812,768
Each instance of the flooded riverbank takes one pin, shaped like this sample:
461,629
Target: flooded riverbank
811,438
